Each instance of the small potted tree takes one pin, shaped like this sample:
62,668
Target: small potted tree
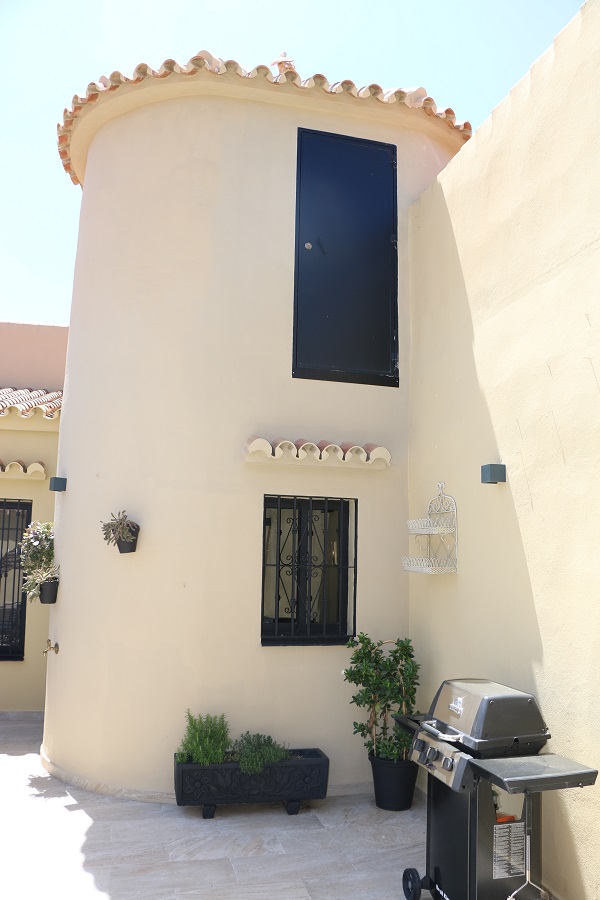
121,531
387,680
37,560
210,769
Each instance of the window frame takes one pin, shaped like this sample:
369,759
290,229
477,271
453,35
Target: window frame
275,632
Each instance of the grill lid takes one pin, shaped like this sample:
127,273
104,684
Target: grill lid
489,718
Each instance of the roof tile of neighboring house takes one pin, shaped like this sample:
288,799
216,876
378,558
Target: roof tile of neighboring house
26,401
206,65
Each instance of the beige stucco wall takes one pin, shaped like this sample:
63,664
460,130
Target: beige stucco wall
506,367
33,356
180,349
33,439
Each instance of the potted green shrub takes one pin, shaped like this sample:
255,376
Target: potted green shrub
121,531
387,680
37,561
211,769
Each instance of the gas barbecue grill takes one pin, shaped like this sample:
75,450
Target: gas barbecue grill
479,744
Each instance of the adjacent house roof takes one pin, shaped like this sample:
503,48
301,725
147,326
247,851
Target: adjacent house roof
205,66
26,401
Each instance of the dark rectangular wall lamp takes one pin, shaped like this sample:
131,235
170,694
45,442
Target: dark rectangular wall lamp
58,484
493,473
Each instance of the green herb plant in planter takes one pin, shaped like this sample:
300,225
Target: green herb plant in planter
121,531
387,680
211,770
37,561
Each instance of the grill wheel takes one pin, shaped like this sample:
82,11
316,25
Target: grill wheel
411,882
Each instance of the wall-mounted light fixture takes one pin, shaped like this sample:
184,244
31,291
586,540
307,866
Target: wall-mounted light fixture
493,473
58,484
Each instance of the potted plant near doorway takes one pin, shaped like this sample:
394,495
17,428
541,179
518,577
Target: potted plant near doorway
121,531
387,676
37,561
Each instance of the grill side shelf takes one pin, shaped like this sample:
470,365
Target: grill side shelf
531,774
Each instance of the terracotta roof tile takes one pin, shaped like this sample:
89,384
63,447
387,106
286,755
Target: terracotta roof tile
205,65
26,401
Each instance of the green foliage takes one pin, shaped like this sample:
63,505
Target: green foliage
120,527
37,557
37,546
206,740
388,683
255,751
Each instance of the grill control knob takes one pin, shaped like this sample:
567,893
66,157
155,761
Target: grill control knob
423,757
432,754
419,744
447,764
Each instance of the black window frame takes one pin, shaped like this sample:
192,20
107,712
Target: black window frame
13,613
388,377
289,516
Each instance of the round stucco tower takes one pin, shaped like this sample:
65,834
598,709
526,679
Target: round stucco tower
180,350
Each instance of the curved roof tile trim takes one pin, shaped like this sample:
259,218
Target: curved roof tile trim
27,401
204,64
303,452
18,469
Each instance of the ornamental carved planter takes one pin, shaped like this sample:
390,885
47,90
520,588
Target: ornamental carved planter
290,781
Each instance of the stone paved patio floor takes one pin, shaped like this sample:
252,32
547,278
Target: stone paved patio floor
63,842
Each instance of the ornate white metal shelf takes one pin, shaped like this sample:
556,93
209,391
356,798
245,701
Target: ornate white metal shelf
438,554
431,526
429,566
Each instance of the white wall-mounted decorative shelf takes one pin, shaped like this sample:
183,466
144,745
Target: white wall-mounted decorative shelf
321,453
437,537
18,469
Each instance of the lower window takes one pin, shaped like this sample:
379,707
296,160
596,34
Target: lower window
15,516
309,570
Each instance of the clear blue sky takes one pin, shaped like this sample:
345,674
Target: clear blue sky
466,53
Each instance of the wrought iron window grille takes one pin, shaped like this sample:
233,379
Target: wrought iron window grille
15,516
309,570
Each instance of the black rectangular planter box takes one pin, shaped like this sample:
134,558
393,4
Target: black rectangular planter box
289,781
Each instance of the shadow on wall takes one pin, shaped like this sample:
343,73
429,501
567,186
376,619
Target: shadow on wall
490,620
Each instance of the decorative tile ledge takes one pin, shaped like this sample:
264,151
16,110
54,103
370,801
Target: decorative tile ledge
17,469
320,453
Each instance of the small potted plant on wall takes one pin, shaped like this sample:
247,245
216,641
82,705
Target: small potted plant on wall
121,531
387,680
37,560
211,769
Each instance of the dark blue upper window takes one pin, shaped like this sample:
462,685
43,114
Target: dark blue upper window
346,283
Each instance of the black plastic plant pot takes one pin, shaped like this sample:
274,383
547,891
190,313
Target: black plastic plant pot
394,782
304,777
129,546
48,591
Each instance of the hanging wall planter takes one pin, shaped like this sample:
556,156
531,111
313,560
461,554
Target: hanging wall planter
37,560
122,532
49,591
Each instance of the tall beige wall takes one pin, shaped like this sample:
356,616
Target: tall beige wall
32,356
180,349
23,682
506,367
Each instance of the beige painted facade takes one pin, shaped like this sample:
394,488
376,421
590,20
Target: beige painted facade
180,349
505,366
32,356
